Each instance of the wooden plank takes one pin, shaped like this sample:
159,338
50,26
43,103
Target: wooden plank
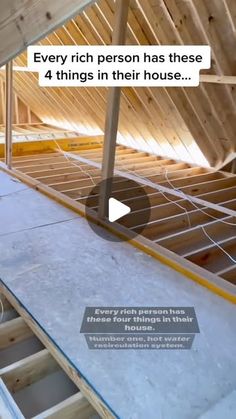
76,174
208,244
69,369
200,188
157,212
219,195
112,114
194,238
68,144
9,115
16,109
213,258
75,184
28,370
178,223
229,159
54,158
47,176
8,407
127,158
24,24
213,185
153,165
158,198
33,157
5,303
228,270
230,274
43,166
176,173
137,202
211,78
186,100
75,407
120,151
2,103
13,331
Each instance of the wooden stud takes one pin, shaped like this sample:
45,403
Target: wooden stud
112,115
9,114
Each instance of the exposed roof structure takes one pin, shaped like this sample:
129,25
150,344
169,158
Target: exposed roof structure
22,113
114,196
192,124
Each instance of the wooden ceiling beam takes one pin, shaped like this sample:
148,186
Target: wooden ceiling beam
24,23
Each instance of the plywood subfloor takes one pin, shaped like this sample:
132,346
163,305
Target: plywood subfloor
53,262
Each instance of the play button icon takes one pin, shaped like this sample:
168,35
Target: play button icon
117,210
128,206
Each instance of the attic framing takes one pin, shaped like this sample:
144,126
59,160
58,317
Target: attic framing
166,121
53,174
167,235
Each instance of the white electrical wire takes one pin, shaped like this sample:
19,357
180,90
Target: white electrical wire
73,162
173,202
201,226
217,244
178,205
187,197
170,200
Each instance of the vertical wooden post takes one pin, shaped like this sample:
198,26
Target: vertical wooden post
112,114
9,109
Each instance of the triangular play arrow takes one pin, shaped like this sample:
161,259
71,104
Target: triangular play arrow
117,210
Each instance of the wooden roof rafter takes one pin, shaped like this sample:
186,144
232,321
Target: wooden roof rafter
168,121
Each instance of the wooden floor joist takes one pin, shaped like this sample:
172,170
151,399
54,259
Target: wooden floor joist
13,331
75,406
31,369
188,204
